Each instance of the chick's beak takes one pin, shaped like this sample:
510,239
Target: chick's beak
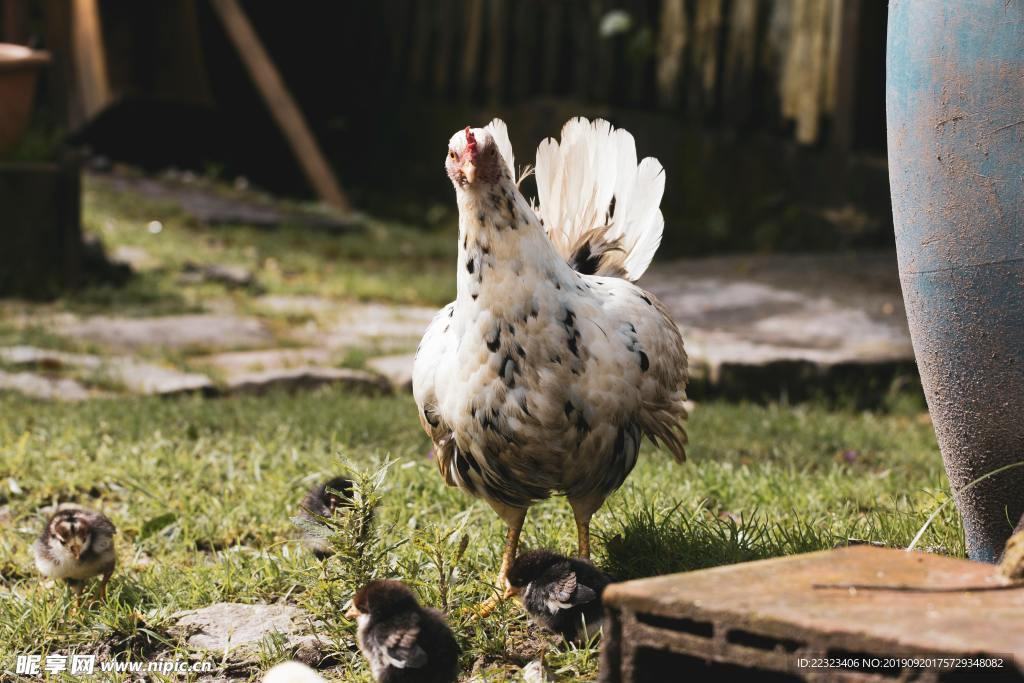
469,171
351,612
510,591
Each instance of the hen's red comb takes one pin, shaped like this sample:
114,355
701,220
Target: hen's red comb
470,142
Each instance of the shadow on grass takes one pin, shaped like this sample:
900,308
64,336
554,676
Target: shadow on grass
647,542
642,541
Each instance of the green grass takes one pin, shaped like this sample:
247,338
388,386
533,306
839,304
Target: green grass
203,492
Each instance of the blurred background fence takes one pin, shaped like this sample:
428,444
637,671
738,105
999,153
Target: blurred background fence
768,116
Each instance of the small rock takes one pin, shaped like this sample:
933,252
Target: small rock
136,258
237,630
398,369
230,275
307,378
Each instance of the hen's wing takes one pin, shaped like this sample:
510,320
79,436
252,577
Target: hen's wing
429,385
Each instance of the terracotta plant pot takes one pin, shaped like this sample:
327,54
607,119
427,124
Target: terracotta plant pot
19,72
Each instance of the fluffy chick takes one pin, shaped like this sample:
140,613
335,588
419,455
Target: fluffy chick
292,672
561,594
76,545
402,641
322,501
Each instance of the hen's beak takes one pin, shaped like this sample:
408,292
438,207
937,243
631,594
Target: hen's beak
351,612
469,171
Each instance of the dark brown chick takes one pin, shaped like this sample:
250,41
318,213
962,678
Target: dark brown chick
76,545
560,593
322,501
402,641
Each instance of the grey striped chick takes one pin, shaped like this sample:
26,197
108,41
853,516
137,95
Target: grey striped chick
76,545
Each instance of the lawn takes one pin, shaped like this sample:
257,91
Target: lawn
203,492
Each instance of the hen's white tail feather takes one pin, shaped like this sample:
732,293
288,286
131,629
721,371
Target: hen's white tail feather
590,180
499,133
592,192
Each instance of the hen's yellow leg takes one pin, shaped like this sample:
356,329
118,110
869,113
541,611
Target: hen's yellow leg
514,517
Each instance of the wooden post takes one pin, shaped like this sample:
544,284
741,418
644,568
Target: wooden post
282,106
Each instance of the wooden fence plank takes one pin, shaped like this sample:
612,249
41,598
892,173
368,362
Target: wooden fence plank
672,38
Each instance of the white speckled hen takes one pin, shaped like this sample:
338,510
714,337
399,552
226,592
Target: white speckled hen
544,373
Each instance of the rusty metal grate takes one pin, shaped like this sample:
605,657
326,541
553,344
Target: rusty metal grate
767,621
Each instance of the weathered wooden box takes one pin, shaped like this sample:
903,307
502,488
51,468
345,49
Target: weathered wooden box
778,620
40,228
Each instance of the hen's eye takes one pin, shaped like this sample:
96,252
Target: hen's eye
451,154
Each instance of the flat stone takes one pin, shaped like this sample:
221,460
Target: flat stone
236,631
193,331
225,274
801,315
41,386
398,369
231,364
292,379
136,258
133,375
384,327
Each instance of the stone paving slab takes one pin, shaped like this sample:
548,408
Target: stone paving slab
381,326
179,332
397,368
232,364
801,315
133,375
311,377
753,324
